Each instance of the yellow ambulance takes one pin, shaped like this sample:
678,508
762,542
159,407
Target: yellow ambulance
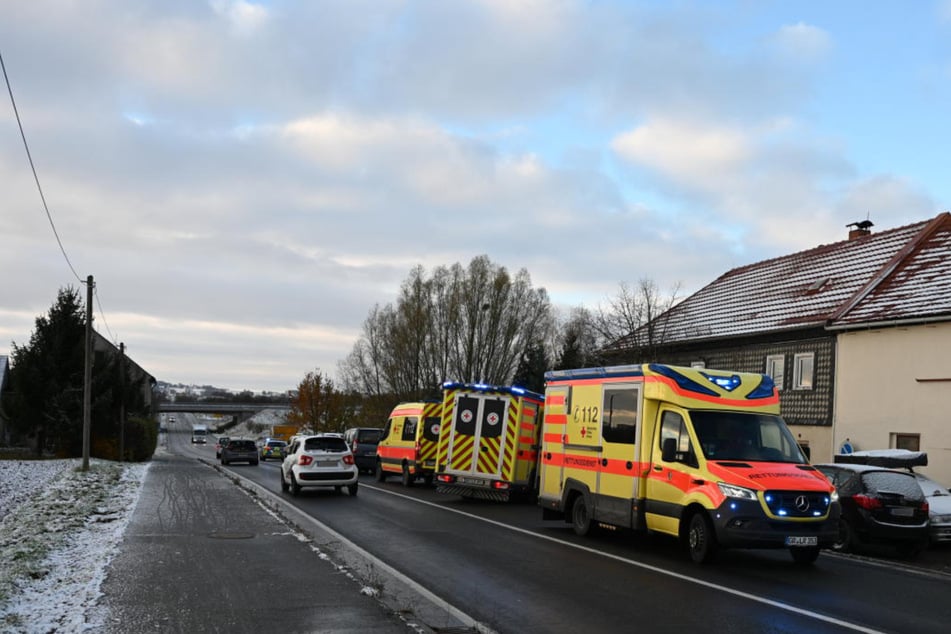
407,445
488,442
701,455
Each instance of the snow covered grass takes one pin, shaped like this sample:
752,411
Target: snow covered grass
59,529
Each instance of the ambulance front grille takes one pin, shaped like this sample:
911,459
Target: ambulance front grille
797,503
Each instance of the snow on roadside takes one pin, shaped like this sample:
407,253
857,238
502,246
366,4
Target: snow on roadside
59,529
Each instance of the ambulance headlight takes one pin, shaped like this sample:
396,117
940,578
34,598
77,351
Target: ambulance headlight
733,491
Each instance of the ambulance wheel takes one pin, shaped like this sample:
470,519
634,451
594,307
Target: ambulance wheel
701,540
407,476
380,473
428,479
805,556
580,517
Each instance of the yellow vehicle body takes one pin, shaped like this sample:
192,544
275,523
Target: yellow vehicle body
488,441
698,454
407,445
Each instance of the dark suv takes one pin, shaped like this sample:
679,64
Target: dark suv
239,450
362,442
879,505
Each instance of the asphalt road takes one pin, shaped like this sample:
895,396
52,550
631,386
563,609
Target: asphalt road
509,570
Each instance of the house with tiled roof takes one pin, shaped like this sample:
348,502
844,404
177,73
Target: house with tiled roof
855,334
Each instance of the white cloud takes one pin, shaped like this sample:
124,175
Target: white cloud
245,17
803,42
692,154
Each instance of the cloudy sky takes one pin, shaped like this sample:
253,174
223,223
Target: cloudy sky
246,179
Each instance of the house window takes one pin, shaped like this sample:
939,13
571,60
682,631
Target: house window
911,442
802,370
775,367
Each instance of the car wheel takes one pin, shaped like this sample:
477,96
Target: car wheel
380,473
224,462
338,489
846,539
701,540
407,476
580,516
254,464
284,485
295,487
805,556
352,489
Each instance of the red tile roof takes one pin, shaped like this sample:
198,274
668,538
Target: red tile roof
893,275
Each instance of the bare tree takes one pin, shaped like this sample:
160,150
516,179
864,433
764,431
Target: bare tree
472,324
635,319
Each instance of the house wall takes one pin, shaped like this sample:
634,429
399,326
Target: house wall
896,380
808,412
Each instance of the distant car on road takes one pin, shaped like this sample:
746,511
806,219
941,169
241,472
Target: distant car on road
939,508
322,460
363,442
239,450
271,448
879,505
222,441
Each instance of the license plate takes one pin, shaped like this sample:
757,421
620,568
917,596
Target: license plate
802,540
903,511
326,463
476,481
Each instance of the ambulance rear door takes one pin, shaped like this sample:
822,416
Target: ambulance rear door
476,441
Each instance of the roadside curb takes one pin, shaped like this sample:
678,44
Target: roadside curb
420,608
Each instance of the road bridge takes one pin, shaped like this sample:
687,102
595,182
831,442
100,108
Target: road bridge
241,411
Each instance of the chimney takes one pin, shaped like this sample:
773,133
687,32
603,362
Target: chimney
862,228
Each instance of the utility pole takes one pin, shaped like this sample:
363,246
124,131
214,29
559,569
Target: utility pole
87,375
121,402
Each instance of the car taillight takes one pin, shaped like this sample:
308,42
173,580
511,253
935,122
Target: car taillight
867,502
925,507
304,460
348,459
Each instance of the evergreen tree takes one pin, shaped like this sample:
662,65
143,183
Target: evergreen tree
46,377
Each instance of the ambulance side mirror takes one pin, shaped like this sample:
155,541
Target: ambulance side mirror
668,450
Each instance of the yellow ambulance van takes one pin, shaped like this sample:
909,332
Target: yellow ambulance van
407,446
701,455
488,442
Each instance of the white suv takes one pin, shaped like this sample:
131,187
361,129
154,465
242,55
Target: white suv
323,460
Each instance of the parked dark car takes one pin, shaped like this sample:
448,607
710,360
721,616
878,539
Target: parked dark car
879,506
362,442
239,450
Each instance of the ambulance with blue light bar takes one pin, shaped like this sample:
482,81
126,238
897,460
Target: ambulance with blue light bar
488,442
701,455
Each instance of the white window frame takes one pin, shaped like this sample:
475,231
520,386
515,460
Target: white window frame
776,368
801,379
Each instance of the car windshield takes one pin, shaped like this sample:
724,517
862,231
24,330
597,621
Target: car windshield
369,435
892,482
325,444
930,487
274,443
242,444
745,436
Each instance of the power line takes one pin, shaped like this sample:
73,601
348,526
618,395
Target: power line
39,188
33,168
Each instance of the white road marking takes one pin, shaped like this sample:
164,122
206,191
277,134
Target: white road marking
738,593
